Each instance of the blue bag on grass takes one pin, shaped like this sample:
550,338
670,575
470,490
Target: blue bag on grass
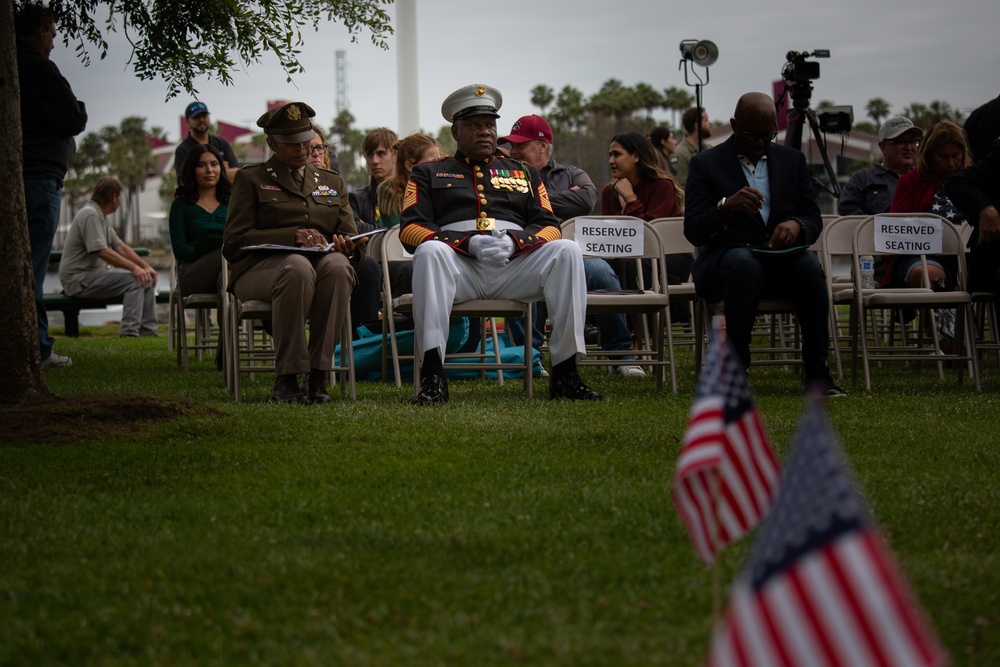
368,353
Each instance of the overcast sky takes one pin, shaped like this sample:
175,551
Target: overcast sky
903,51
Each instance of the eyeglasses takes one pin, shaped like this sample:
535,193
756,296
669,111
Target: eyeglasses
766,137
903,142
317,150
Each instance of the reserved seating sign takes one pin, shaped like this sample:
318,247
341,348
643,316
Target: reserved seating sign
610,238
907,236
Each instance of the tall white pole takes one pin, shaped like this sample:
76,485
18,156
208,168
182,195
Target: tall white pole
406,67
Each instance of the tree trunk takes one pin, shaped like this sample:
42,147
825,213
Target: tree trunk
20,358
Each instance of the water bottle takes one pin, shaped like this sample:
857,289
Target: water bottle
867,268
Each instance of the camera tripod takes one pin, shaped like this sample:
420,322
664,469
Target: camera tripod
798,115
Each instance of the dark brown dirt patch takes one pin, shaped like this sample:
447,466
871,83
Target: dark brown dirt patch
86,419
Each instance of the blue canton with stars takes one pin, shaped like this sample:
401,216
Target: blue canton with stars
725,377
941,205
817,504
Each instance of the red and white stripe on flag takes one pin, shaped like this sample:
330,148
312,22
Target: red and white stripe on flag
843,605
726,475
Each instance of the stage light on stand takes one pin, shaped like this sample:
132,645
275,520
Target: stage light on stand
704,54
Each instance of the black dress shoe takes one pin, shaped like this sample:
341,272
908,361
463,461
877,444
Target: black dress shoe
316,387
286,390
572,387
433,391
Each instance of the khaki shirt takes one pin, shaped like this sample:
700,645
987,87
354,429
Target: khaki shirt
267,207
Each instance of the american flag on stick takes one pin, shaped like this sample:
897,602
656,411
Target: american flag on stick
821,587
727,472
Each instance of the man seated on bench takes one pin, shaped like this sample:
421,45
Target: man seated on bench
91,246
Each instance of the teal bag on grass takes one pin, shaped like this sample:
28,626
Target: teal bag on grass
368,353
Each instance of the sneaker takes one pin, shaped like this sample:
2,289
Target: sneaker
631,371
543,374
56,360
825,388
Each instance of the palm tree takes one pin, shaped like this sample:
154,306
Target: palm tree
919,114
569,116
648,98
85,168
616,100
940,110
877,109
132,161
676,100
542,96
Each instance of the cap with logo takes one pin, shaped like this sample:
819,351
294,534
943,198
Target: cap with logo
288,124
475,100
194,109
529,128
896,126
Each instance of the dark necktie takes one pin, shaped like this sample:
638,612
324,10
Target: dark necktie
297,179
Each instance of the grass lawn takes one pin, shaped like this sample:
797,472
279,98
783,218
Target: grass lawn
495,530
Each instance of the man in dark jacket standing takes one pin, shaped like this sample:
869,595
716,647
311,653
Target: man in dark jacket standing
752,210
50,117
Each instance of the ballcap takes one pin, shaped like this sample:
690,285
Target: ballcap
896,126
194,109
475,100
529,128
289,124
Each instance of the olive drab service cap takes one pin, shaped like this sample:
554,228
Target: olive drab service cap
289,124
475,100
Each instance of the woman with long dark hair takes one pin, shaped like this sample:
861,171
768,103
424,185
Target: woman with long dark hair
197,218
642,186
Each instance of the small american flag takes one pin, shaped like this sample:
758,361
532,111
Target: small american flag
821,587
727,472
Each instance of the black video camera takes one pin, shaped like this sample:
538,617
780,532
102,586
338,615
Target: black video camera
800,70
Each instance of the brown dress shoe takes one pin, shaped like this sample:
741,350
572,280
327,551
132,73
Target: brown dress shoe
286,390
317,387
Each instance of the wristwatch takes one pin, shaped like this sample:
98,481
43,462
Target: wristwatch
721,203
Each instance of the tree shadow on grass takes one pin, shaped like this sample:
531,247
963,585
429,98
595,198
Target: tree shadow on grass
75,420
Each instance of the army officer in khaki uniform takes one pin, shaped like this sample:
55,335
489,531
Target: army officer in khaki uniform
288,201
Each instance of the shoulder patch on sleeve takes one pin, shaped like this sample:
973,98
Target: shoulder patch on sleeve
410,196
543,197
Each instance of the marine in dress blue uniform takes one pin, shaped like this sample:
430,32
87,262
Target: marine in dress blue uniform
480,226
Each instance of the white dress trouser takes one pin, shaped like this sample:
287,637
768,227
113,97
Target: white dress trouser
554,272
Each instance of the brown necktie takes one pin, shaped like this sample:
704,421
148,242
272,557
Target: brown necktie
297,179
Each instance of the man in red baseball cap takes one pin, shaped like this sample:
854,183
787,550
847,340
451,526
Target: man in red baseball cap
572,193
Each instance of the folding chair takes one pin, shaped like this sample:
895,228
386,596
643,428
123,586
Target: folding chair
205,335
249,349
671,231
836,247
652,300
923,298
487,309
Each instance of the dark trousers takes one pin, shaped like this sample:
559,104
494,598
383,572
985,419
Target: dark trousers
744,278
43,199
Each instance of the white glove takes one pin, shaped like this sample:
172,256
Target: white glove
499,251
490,248
479,243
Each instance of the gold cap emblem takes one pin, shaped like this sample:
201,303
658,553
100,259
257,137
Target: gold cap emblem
480,91
294,113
